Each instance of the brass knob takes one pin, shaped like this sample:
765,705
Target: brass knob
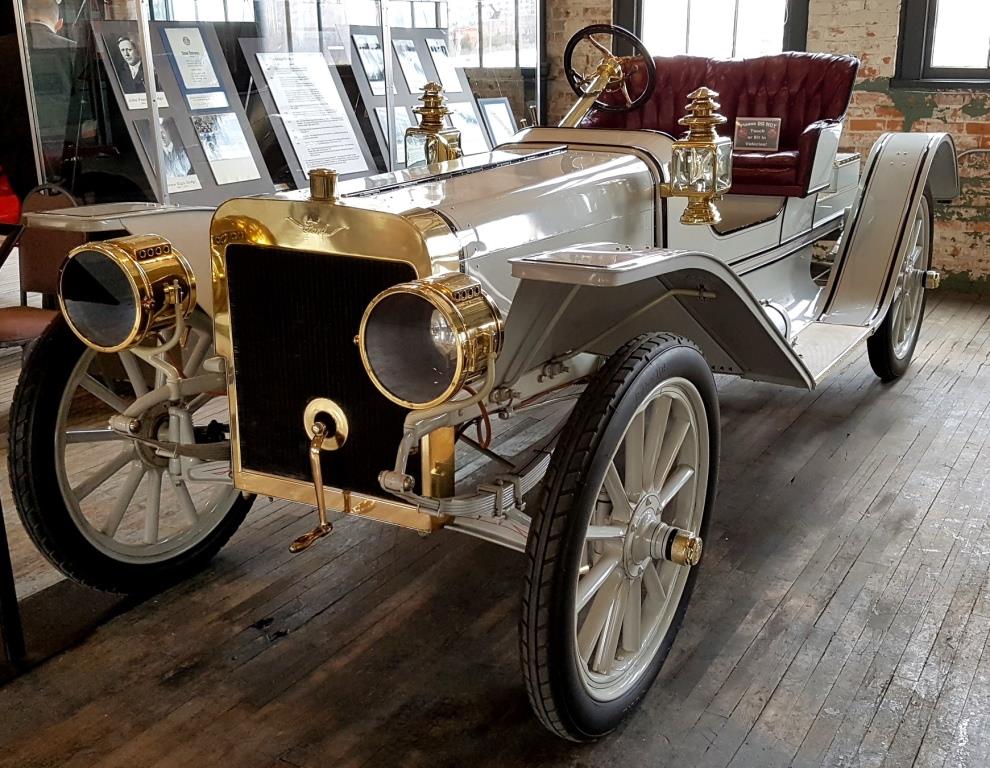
322,184
685,549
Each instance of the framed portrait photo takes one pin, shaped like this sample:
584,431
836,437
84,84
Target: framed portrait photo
499,120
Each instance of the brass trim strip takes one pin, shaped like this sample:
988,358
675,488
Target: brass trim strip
383,510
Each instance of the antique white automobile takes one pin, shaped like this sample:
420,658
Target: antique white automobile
332,346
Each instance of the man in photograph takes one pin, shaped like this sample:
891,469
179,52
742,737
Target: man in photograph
130,67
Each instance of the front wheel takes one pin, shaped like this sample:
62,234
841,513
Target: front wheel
892,346
613,545
116,513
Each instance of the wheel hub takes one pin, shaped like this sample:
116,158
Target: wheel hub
153,426
649,538
644,524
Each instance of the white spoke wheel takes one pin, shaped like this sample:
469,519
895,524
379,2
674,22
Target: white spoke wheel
108,511
892,346
631,481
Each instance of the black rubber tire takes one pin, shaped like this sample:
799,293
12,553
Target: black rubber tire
880,346
556,536
37,495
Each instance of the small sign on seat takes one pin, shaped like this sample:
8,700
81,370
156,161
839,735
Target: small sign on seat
757,134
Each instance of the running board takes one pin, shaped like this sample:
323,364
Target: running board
822,346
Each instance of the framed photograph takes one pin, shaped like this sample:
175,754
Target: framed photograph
225,147
126,58
179,173
372,58
444,66
465,119
498,117
410,64
403,120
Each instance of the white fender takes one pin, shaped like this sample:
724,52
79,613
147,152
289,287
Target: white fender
875,238
595,298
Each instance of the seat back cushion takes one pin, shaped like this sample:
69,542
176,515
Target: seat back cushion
799,88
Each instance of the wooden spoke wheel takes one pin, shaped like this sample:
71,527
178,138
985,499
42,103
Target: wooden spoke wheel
613,547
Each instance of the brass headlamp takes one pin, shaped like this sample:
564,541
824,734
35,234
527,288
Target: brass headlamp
422,341
432,141
701,162
113,293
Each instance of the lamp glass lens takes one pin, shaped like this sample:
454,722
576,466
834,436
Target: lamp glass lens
98,298
693,169
723,169
411,348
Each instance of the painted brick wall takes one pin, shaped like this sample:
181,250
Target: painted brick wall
869,29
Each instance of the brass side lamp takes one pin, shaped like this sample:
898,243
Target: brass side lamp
701,162
432,141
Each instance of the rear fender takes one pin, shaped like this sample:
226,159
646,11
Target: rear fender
595,298
877,235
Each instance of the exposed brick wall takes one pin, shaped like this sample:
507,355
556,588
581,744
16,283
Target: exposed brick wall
564,18
869,29
493,81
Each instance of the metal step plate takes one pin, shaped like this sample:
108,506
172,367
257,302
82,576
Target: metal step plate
822,346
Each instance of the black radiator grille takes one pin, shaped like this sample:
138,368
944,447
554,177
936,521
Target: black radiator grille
294,316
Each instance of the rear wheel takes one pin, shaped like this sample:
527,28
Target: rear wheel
110,511
631,483
892,346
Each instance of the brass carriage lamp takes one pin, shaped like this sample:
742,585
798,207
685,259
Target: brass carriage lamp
701,162
432,141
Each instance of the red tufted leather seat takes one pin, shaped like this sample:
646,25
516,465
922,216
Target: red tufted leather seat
808,91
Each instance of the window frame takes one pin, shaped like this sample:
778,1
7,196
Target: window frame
914,49
629,14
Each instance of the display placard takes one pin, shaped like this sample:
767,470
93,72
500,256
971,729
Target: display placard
210,152
420,55
499,120
760,134
306,103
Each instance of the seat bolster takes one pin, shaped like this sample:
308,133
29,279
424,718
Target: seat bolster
808,148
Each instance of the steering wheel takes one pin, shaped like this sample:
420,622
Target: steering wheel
627,65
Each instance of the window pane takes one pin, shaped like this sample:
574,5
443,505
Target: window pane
425,14
665,27
962,34
400,14
711,23
499,26
760,28
463,32
528,24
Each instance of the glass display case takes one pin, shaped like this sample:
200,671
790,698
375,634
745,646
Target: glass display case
249,95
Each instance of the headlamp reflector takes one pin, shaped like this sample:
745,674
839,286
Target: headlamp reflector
422,341
114,292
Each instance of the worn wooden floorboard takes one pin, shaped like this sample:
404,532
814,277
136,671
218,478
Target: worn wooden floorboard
841,617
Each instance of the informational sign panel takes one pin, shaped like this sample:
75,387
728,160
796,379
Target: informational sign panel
305,101
758,134
210,152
